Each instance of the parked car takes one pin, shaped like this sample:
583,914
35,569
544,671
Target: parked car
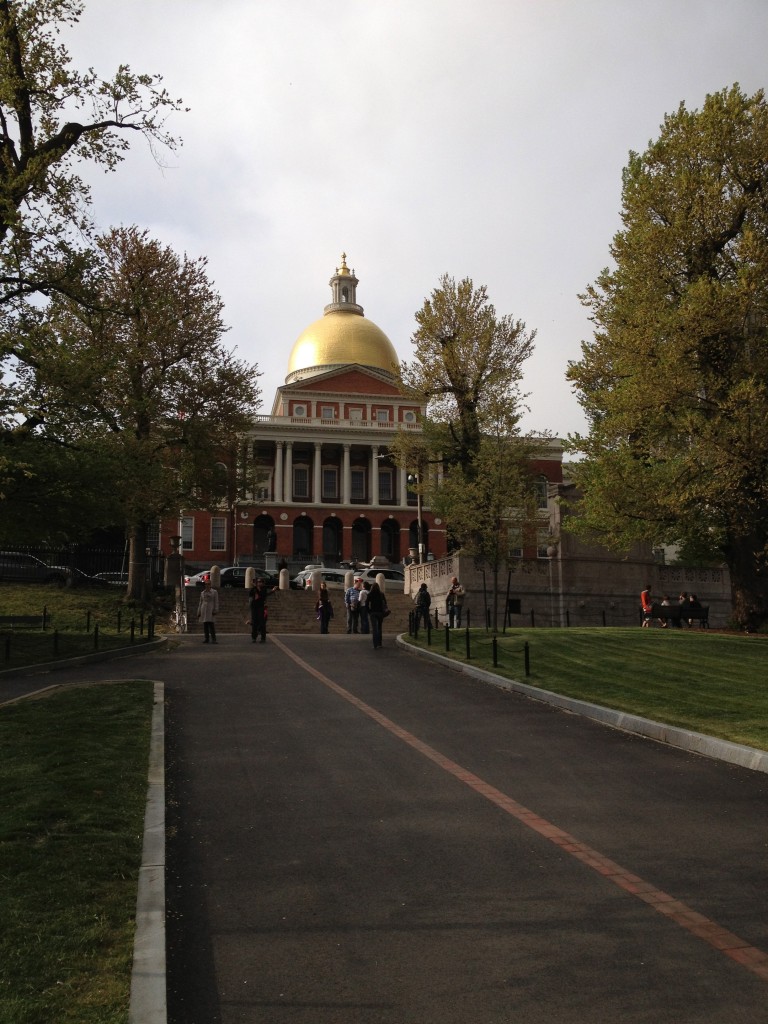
299,581
20,568
234,576
333,578
117,579
390,575
199,579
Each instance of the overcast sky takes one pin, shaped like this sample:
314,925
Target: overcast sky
481,139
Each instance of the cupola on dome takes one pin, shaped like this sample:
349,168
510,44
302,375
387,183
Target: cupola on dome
342,336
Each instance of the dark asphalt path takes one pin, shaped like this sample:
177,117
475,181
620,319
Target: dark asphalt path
360,836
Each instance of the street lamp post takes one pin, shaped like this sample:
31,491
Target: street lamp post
414,478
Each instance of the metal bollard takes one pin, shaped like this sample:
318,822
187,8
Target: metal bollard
527,659
133,630
96,637
447,637
466,635
495,648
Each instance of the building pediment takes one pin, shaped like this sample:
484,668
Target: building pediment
343,381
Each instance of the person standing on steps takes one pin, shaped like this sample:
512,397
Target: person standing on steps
324,608
207,608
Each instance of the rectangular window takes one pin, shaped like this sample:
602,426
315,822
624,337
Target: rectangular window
356,414
300,482
330,483
542,543
263,485
386,488
382,416
187,533
327,412
218,533
514,544
542,489
358,484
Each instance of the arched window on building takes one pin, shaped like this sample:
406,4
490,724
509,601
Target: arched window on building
303,530
390,540
332,540
361,540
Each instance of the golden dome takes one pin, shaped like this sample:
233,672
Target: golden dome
342,335
337,339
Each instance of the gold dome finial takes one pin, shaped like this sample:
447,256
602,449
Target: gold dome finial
344,267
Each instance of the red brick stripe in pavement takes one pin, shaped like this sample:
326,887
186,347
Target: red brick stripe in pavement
702,927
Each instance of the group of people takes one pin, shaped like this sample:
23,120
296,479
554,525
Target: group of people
685,602
366,607
208,609
365,604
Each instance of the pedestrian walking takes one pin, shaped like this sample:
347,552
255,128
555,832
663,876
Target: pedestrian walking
207,610
362,602
423,602
377,611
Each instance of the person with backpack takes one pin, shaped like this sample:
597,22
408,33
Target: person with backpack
423,601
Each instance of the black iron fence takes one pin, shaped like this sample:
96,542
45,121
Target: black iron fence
81,562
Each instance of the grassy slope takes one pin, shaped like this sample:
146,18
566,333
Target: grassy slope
708,682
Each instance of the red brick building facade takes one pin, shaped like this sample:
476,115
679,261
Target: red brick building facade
323,485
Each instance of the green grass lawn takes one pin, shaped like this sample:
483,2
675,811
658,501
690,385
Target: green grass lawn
73,785
712,683
71,616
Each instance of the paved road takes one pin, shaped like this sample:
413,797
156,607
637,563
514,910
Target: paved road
359,837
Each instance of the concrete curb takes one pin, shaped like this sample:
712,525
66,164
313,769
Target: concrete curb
148,979
684,739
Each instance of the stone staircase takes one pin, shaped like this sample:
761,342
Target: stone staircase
290,611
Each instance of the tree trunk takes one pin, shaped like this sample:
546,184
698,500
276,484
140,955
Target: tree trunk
746,560
138,589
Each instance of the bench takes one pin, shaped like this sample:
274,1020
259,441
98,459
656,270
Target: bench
24,621
680,613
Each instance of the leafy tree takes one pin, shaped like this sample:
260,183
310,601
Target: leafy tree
141,382
467,366
675,381
54,119
467,369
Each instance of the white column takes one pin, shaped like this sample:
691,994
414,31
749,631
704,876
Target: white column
317,465
288,481
346,479
278,491
375,475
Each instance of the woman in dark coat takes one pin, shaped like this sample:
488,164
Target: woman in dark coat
377,607
324,608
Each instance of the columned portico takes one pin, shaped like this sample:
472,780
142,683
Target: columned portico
346,477
374,475
288,483
278,492
317,492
